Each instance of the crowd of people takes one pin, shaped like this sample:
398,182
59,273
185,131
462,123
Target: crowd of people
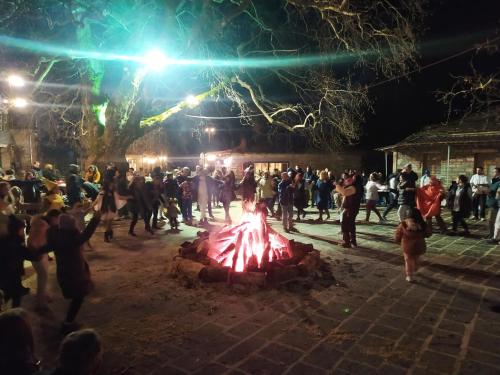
41,213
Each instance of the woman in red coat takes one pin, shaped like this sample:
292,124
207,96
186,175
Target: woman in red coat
411,234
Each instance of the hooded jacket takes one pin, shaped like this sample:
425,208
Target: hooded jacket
412,236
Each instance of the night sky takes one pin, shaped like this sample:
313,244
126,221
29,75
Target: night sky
405,106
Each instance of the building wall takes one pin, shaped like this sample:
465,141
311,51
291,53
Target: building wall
335,162
463,160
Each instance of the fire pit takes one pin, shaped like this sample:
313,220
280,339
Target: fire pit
248,253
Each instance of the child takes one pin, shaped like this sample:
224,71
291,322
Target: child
411,234
172,213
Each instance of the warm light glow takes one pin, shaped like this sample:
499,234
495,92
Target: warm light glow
210,130
19,102
16,80
192,101
227,161
211,157
253,243
155,60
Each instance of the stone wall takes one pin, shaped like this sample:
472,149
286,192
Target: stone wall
463,160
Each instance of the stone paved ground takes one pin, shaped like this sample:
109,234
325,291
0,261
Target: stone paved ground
370,322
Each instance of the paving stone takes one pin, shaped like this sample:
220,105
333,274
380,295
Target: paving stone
168,370
280,353
474,368
276,328
244,329
459,315
446,342
369,355
389,369
193,360
324,355
242,350
323,325
438,362
355,325
484,357
484,342
211,369
452,326
395,321
299,338
261,366
305,369
429,315
357,368
387,332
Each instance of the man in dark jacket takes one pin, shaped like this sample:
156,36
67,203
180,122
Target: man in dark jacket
73,273
460,203
285,194
74,184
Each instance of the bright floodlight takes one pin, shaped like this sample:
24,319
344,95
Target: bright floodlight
16,80
19,102
210,130
155,60
192,101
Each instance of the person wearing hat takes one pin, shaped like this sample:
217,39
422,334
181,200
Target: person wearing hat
73,273
48,172
53,200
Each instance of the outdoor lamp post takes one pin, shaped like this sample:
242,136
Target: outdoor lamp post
16,80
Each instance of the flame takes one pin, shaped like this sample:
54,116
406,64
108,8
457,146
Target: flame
253,243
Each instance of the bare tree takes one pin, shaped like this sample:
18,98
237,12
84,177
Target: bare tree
478,91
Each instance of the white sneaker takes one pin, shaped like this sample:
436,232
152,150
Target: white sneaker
409,279
483,219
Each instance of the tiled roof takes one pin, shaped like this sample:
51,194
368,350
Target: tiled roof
482,128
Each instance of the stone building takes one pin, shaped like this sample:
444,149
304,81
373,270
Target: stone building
453,149
17,146
262,161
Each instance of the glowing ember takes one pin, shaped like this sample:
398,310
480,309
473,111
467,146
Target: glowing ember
251,244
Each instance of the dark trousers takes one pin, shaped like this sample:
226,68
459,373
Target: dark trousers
348,227
458,218
74,307
393,203
173,222
156,207
479,205
439,221
187,209
146,216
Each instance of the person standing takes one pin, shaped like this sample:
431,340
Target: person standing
411,234
406,195
73,273
372,187
460,203
108,203
480,187
139,203
12,254
202,186
248,187
156,189
74,184
267,191
299,195
285,193
349,210
310,179
393,193
412,176
492,203
186,188
227,194
323,198
426,178
428,199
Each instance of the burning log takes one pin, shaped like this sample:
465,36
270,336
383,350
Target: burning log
187,268
248,278
211,274
309,263
281,274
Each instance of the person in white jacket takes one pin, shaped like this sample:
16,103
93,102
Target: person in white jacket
480,189
372,187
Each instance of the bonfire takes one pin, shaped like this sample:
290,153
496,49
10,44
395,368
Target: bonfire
251,245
